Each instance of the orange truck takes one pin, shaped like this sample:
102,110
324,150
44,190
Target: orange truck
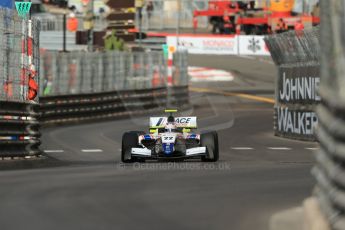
249,17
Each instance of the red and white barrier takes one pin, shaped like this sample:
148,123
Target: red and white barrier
170,65
29,87
22,62
203,74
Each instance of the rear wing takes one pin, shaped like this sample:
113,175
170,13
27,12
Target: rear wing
181,122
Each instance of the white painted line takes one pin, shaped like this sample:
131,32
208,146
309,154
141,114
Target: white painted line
279,148
313,149
92,150
54,151
242,148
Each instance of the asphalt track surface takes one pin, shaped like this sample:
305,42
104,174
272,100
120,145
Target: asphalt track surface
257,175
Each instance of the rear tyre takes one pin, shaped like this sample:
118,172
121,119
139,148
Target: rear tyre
129,141
210,141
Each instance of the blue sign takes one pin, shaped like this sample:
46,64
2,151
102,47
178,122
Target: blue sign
6,3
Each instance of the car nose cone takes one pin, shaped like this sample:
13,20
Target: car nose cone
168,148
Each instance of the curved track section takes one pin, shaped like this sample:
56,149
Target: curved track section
257,175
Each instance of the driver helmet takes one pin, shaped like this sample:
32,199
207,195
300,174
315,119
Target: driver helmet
170,127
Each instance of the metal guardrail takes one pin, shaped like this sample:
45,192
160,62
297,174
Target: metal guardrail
297,56
19,133
100,106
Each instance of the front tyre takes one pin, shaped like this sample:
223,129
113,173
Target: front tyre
210,141
129,141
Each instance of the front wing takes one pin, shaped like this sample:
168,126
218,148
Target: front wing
190,153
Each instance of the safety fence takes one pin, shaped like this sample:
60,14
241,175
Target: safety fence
85,73
81,86
19,67
170,14
330,168
19,55
297,56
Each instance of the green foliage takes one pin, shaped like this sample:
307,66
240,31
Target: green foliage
114,43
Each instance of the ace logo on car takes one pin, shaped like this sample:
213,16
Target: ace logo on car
183,120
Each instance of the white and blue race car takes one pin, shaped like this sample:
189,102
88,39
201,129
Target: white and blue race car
170,138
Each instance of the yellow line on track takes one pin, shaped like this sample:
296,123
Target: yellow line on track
241,95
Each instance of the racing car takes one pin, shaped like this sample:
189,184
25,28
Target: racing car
170,138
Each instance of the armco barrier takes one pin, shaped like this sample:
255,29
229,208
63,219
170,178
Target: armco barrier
297,90
101,106
19,133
